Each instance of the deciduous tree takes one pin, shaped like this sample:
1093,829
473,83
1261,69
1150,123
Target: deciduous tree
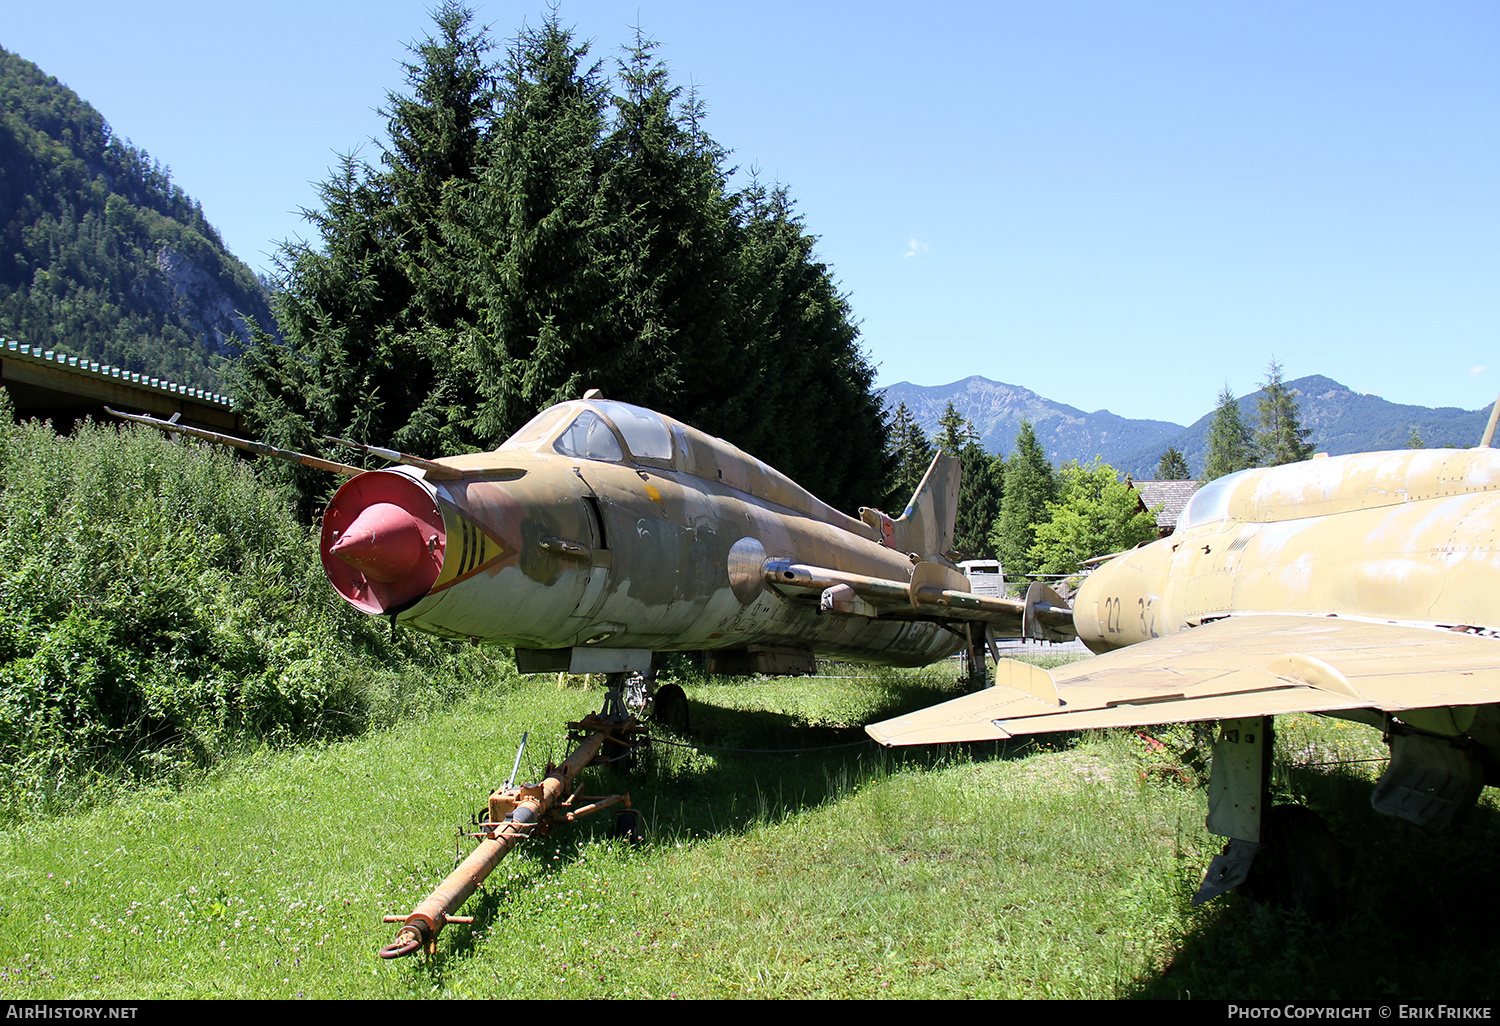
1095,514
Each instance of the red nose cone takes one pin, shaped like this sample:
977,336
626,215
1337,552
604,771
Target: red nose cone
383,541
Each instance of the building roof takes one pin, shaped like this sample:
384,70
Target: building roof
50,383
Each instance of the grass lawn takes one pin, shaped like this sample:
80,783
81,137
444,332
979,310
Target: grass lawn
1061,870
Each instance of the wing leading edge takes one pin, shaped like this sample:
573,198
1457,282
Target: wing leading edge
1236,667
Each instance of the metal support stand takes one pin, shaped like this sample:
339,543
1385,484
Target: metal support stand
978,677
1239,792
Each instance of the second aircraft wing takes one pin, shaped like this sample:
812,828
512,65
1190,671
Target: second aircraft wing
1241,666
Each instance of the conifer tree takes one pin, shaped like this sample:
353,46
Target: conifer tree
436,135
979,491
1231,447
1029,486
369,314
664,189
530,232
954,431
978,501
805,394
1173,465
537,229
913,454
1281,438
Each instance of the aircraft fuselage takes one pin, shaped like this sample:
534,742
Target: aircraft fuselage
565,538
1409,537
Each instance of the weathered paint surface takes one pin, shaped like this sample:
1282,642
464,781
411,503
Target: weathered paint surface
1365,585
1408,537
568,536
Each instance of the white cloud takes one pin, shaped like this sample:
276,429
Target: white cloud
914,247
1477,370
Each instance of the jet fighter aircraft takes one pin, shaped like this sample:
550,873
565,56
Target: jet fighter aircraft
602,532
1363,586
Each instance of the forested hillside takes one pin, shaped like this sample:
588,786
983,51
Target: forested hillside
100,254
996,410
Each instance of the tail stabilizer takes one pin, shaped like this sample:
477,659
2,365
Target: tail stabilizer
926,525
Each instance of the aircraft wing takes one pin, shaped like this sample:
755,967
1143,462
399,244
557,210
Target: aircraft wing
1236,667
934,592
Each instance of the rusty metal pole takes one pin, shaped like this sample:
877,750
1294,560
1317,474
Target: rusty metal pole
420,929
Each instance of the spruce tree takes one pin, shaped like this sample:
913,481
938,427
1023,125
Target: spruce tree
805,392
1231,447
436,134
1173,465
532,237
978,501
1029,486
369,316
979,492
536,229
1281,438
664,189
954,431
913,453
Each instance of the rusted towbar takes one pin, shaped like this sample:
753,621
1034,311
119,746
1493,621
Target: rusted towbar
515,814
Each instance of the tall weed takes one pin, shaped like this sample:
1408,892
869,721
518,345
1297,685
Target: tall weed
161,607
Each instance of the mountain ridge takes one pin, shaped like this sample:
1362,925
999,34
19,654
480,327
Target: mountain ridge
1340,419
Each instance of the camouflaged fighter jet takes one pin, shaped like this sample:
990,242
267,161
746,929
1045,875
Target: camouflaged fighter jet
1365,587
601,533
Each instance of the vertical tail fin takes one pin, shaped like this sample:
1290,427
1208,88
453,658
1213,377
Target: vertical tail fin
926,525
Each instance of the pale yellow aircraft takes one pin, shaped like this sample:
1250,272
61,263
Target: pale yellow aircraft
1364,586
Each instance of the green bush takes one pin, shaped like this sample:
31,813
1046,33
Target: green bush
160,607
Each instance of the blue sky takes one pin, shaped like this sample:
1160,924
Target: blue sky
1118,205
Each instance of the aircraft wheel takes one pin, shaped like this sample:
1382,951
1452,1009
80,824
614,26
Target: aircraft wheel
629,826
670,709
1297,865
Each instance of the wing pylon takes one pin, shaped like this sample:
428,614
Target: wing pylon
934,592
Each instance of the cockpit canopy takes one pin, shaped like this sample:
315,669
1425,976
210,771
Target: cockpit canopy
615,432
1209,503
595,430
